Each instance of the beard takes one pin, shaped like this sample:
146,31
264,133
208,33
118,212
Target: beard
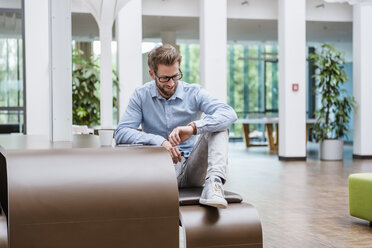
165,92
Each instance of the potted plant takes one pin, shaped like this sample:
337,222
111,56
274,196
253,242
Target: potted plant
333,116
85,90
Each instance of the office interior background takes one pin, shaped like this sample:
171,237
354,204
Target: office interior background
250,77
248,53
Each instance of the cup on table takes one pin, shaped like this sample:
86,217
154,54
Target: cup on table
106,136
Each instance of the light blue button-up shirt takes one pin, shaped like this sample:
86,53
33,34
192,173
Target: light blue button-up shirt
159,116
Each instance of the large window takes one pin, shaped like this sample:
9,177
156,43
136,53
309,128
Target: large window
252,78
12,104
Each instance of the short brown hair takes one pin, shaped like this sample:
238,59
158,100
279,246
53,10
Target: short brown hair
163,55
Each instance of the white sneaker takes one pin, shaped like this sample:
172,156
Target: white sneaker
212,194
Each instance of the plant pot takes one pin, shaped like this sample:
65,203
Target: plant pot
332,149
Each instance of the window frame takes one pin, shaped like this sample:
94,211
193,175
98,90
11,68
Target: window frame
24,107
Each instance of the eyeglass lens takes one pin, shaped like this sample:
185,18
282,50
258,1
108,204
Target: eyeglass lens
166,79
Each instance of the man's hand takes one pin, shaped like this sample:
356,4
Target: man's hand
173,151
180,135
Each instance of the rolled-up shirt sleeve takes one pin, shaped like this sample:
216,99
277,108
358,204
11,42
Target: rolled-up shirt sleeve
126,131
218,115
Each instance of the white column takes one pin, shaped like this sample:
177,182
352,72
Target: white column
106,101
61,70
37,67
129,40
213,47
105,12
292,58
362,82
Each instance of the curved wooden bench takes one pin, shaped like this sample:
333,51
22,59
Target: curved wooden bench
236,226
67,198
113,197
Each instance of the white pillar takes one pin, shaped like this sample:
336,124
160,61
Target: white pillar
129,40
105,12
61,70
106,101
362,82
292,58
213,43
37,67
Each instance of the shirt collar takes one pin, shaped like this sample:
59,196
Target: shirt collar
178,94
154,91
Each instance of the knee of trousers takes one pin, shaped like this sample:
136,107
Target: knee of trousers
219,133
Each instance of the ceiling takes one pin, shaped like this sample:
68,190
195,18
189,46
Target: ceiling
187,28
245,30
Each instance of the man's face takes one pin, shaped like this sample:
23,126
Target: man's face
166,89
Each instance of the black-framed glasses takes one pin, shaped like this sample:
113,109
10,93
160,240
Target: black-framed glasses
165,79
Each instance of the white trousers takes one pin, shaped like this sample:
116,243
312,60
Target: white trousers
208,158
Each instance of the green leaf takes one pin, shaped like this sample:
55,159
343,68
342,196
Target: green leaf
335,112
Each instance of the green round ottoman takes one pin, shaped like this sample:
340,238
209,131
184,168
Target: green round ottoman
360,196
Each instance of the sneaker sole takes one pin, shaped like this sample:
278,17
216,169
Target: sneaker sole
215,204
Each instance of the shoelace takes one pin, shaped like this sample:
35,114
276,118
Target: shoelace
218,188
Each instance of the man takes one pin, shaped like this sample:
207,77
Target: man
169,111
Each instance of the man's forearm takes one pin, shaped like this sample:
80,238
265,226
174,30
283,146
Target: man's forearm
217,122
128,135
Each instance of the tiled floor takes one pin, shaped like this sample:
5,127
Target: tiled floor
301,204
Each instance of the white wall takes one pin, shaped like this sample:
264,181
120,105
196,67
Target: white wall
170,8
320,11
255,9
316,10
362,38
37,66
77,6
236,9
213,40
61,70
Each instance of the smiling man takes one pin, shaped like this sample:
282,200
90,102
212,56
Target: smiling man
170,111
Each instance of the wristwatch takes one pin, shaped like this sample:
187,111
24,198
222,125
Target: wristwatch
192,124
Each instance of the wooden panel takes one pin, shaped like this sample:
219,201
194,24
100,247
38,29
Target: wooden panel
236,226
